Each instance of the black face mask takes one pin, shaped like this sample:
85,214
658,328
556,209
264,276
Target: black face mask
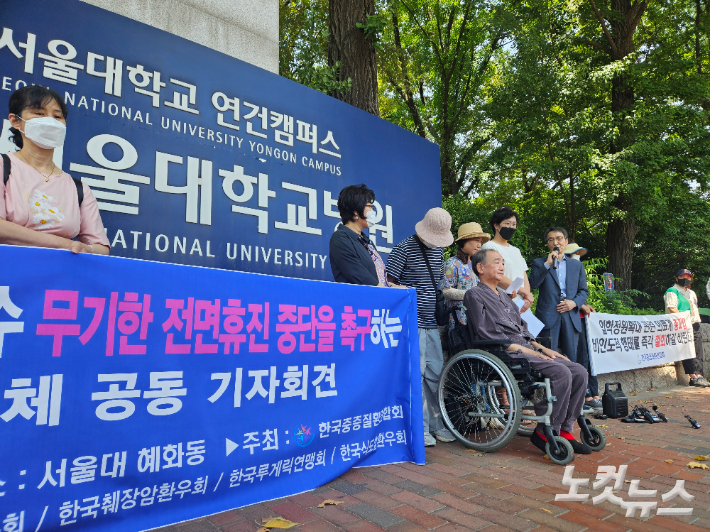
506,233
685,283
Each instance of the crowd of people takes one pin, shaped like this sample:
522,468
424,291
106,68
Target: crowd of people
474,284
43,206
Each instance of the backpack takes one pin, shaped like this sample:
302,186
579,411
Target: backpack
7,167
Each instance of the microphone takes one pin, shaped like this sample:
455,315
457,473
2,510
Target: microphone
554,261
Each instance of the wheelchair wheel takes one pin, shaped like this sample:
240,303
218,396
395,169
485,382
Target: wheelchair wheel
469,404
598,441
565,454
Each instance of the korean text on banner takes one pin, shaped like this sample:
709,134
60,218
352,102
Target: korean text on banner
620,343
138,394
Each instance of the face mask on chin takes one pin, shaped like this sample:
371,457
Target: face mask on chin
506,233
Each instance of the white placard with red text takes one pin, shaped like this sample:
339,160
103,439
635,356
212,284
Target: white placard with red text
621,343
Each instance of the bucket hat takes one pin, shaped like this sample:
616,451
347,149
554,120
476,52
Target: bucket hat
472,230
574,248
435,228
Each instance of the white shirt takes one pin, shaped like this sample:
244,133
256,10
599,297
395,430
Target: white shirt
515,265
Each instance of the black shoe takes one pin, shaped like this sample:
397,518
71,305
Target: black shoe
579,447
538,442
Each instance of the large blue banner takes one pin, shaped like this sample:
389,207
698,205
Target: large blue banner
137,394
199,158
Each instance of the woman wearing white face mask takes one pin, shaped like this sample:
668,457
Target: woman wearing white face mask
575,251
353,258
41,205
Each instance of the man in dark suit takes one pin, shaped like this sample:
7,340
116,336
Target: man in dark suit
563,291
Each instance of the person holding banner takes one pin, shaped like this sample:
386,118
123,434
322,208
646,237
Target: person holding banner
43,206
417,262
353,257
679,298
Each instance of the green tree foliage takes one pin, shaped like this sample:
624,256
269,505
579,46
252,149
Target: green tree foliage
303,45
617,302
568,155
435,59
589,114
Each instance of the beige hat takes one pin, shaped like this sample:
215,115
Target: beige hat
472,230
435,228
575,249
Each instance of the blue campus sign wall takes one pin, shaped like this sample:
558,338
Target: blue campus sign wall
198,158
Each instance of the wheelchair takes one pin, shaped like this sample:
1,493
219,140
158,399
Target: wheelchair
472,389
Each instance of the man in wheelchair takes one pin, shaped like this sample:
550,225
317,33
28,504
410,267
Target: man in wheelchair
492,315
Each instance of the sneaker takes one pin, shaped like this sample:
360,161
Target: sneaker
700,382
444,436
580,447
586,409
429,440
595,404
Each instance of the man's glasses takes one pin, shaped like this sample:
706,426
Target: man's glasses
558,239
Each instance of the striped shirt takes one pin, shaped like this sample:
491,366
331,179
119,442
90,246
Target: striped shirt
406,265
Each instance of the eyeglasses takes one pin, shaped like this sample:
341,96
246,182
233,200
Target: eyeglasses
557,239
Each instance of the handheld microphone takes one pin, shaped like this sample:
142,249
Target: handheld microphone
554,261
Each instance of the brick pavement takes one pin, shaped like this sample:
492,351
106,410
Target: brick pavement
512,489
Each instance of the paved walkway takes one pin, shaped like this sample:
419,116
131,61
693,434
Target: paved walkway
512,489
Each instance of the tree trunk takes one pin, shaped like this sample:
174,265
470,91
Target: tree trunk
449,185
620,236
349,45
619,34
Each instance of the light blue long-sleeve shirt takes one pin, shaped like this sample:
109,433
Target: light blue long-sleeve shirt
561,275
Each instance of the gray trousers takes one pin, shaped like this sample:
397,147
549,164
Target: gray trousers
431,362
568,381
695,365
565,338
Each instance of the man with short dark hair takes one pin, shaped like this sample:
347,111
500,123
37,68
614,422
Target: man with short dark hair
563,291
492,315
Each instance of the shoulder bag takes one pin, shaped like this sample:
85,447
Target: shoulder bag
441,314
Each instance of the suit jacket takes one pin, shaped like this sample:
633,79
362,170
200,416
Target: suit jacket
350,262
550,292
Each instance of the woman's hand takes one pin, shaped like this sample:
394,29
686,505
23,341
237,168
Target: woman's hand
527,303
587,310
79,247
